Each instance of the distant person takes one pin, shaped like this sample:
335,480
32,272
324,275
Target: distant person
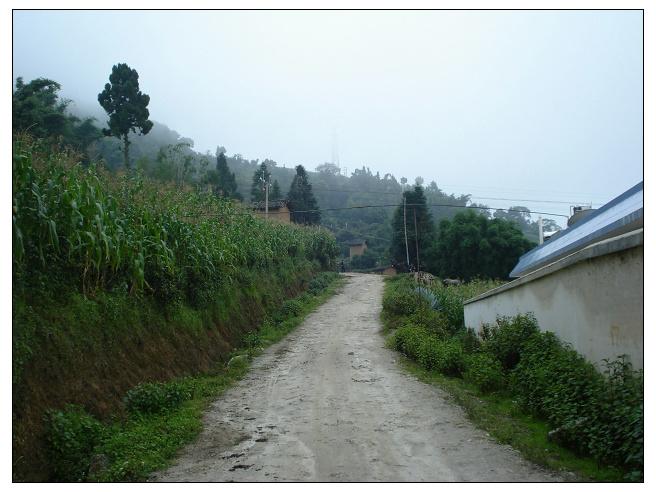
343,267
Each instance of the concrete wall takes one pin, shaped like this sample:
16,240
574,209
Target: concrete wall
279,214
592,299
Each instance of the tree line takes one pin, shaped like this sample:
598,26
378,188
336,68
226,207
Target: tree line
38,109
133,142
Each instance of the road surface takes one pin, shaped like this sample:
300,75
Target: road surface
330,403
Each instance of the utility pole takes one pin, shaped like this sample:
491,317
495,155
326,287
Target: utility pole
405,231
414,211
266,201
540,230
266,197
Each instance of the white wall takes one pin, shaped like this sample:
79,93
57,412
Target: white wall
593,300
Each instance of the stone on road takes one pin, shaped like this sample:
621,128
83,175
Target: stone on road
330,403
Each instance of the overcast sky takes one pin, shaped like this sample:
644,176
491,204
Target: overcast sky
534,105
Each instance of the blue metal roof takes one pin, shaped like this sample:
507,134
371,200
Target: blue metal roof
620,215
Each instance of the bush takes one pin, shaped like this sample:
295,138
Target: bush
401,302
321,281
506,339
483,371
71,434
593,413
148,398
316,285
434,321
408,338
253,342
445,356
470,341
621,410
290,309
451,358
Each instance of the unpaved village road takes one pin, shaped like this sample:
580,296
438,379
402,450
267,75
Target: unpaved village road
329,403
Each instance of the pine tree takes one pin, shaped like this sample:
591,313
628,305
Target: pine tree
275,193
226,183
257,188
301,198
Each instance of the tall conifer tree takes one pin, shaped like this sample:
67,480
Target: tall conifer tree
227,184
301,199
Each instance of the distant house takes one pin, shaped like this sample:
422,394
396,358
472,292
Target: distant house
278,210
585,283
357,247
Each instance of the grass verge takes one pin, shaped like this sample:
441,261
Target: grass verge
134,447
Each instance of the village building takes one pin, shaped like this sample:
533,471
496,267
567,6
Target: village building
585,284
357,247
278,211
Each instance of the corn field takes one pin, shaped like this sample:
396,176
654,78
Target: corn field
106,231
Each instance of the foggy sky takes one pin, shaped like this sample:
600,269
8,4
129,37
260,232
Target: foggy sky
537,105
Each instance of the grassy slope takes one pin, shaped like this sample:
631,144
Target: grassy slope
91,351
140,446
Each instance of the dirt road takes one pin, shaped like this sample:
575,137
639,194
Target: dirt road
329,403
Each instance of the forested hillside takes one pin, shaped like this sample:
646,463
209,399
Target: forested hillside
359,206
332,189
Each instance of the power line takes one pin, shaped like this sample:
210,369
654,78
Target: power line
528,200
362,207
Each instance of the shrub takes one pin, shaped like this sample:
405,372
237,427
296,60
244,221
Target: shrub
290,309
428,352
593,413
408,338
470,341
253,342
304,297
445,356
434,321
483,371
150,398
401,302
451,358
317,284
321,281
71,434
505,340
620,411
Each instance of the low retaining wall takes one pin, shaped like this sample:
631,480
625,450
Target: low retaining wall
592,299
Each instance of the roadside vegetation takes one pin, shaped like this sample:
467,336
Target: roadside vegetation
119,280
159,418
524,386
